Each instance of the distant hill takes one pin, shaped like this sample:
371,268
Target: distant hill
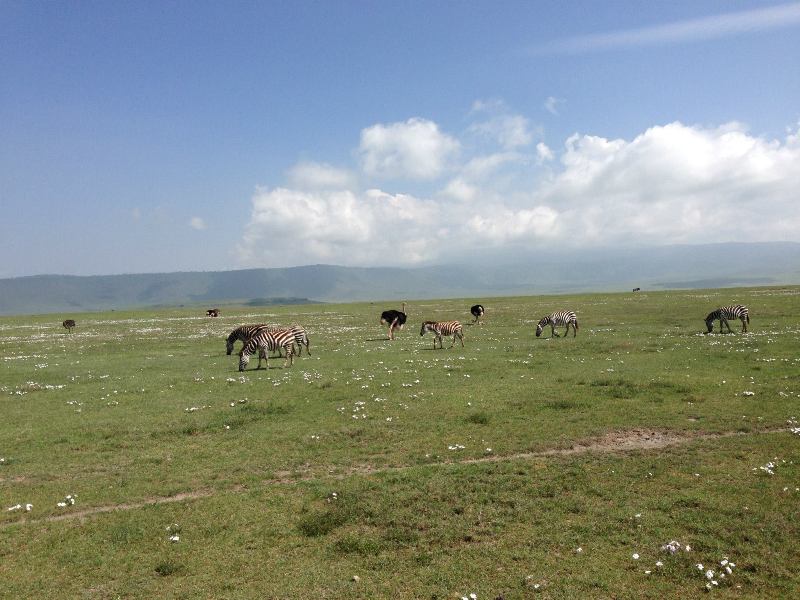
718,265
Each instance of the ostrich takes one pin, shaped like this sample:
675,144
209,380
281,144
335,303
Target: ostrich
212,312
68,325
395,319
477,312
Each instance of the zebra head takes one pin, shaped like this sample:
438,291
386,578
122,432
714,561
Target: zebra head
540,326
710,323
426,326
228,346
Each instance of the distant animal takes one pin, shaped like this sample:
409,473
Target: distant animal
724,313
477,312
265,342
395,319
212,312
68,325
637,289
558,318
443,328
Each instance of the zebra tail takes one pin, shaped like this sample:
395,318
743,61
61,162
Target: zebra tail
748,318
576,324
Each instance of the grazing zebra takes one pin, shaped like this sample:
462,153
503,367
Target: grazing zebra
245,332
264,342
68,325
728,312
395,319
477,312
443,328
560,317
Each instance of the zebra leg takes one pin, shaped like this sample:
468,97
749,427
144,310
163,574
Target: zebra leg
744,326
725,321
574,330
460,337
553,331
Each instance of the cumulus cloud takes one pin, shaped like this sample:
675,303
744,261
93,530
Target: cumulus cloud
342,227
677,184
312,175
415,150
197,223
671,184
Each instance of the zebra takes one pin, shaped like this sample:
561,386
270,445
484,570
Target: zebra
264,342
443,328
245,332
560,317
477,312
728,312
300,338
68,325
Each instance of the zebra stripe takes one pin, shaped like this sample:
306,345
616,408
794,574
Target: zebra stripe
265,342
724,313
443,328
558,318
243,333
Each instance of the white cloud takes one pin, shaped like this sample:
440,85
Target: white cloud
510,131
551,105
716,26
415,149
482,167
460,190
197,223
543,153
312,175
670,184
341,227
677,184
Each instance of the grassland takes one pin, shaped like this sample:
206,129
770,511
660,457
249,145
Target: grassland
515,466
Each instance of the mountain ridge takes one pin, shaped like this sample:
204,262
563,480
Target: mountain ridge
663,267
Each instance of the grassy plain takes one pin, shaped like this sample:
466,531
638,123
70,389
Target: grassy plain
515,467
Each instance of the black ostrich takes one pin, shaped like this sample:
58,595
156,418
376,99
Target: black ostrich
395,319
477,312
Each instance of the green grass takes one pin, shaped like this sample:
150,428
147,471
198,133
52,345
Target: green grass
426,473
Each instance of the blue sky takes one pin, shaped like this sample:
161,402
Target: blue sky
144,137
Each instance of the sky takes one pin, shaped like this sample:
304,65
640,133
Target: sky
196,136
